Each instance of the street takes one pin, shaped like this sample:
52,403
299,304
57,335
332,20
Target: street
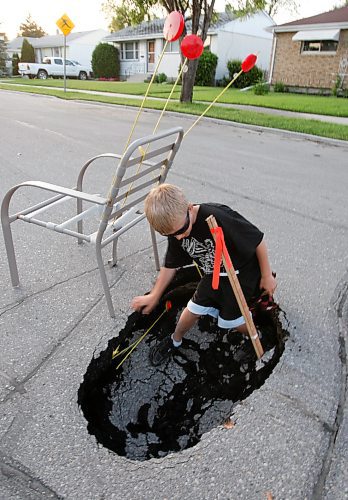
290,437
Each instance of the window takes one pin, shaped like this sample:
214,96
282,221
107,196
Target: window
172,46
319,46
129,51
58,61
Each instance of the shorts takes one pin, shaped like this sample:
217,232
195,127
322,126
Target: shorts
222,303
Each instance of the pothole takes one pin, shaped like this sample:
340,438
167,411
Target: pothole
142,412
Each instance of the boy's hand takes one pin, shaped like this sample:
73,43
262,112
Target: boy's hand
144,303
269,284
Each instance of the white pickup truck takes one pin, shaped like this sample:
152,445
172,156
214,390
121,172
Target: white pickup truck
54,67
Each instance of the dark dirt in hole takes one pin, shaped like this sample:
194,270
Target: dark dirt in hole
140,411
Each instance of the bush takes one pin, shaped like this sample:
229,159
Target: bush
245,79
160,78
15,61
105,61
28,52
337,86
206,68
261,88
279,87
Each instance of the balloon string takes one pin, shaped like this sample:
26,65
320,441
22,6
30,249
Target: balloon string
136,343
213,102
138,116
143,152
145,96
170,95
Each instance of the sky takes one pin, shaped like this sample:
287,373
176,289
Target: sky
87,14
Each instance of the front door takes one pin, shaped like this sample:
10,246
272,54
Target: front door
151,56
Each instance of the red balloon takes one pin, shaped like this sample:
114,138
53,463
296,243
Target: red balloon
173,26
249,62
168,305
192,46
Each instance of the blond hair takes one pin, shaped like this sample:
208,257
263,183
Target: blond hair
164,205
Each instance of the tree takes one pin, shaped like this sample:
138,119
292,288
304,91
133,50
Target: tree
340,5
27,52
105,61
200,13
245,7
30,29
3,53
15,61
128,12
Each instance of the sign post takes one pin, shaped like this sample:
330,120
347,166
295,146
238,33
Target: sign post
65,25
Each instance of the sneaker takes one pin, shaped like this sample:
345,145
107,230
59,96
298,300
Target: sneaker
161,351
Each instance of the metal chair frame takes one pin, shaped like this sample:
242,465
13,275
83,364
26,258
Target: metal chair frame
116,219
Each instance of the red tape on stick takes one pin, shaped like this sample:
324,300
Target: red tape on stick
220,250
173,26
192,46
249,62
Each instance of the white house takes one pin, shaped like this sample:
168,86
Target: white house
229,38
79,46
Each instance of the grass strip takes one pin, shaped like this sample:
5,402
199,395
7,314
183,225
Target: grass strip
323,105
313,127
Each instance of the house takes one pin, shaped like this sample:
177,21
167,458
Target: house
228,37
79,46
312,52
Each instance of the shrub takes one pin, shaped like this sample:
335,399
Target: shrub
15,61
245,79
160,78
105,61
279,87
261,88
337,86
206,68
28,52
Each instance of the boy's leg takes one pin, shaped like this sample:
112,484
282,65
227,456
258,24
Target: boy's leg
161,351
186,321
242,329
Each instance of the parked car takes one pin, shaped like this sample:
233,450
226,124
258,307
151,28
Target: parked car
54,66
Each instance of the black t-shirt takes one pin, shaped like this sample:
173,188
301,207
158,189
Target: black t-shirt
241,238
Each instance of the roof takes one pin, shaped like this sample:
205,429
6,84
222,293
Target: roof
332,16
155,28
46,41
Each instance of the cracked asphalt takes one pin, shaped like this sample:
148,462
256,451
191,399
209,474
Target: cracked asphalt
290,436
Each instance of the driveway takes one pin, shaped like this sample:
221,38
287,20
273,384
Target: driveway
290,436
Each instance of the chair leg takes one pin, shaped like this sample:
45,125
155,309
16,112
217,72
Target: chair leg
155,249
105,282
113,260
79,223
11,257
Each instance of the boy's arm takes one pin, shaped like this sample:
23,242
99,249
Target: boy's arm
145,303
268,282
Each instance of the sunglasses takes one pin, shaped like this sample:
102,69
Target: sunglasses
184,228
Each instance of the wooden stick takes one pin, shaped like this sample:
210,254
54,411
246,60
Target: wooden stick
238,292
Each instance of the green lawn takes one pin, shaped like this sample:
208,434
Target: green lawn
313,127
290,102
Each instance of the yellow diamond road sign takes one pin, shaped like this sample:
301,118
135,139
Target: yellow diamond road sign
65,24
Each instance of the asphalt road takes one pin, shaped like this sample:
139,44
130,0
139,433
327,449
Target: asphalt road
290,437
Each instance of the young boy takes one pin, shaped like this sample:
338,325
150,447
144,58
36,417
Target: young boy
189,238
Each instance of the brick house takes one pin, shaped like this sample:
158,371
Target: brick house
312,53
